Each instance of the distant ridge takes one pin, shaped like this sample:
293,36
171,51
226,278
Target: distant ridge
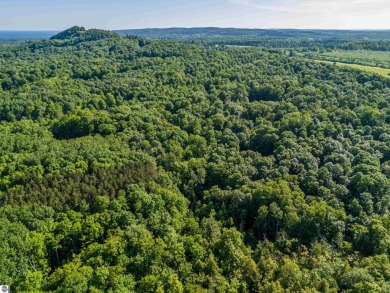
167,33
177,32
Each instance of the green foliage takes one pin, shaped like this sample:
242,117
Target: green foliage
130,165
85,35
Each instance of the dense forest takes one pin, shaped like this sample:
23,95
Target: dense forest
136,165
299,40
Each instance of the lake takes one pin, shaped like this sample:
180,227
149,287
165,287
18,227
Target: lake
26,34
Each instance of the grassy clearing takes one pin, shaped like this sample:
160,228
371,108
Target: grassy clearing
378,70
363,55
360,57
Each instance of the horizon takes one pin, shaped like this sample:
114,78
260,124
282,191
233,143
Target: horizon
57,15
195,27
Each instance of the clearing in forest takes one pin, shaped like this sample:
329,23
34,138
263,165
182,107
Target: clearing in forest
378,70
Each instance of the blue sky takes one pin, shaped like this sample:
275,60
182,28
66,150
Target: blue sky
122,14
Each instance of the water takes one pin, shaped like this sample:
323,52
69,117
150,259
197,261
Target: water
27,35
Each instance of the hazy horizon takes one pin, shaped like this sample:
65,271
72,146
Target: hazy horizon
57,15
193,27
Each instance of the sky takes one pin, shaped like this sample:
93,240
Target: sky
126,14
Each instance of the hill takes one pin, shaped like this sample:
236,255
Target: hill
82,33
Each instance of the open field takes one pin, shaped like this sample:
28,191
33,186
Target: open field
378,70
364,55
361,57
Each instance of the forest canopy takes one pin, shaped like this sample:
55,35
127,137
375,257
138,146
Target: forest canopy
136,165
